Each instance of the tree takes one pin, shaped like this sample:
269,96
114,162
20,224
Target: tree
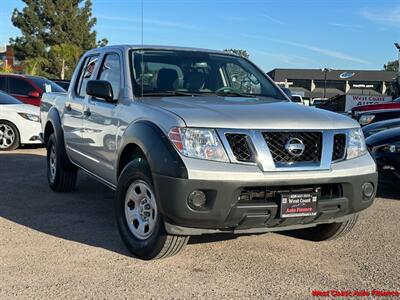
34,66
47,23
239,52
391,66
64,58
4,68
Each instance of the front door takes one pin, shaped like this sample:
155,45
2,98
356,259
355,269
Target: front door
74,110
101,122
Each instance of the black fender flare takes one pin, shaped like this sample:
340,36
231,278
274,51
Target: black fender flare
162,157
54,118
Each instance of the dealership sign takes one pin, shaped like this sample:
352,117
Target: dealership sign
347,75
353,101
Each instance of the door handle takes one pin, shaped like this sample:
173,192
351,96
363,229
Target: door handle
87,113
68,107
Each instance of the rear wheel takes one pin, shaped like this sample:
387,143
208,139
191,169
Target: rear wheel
139,221
61,174
326,232
9,136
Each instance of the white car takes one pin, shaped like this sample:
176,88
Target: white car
19,123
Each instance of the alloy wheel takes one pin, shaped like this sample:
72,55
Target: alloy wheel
7,136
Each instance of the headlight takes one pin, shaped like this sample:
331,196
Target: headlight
198,143
366,119
392,148
30,117
356,146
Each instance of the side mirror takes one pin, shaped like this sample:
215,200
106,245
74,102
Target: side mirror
100,89
287,92
34,94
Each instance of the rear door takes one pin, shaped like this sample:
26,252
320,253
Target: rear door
73,111
101,122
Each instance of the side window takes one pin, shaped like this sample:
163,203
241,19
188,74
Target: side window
20,86
241,80
86,73
3,84
111,72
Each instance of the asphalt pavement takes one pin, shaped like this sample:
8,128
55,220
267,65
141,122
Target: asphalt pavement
67,246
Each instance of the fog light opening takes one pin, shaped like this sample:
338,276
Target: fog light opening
197,200
368,190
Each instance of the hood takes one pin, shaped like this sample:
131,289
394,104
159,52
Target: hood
22,108
384,137
249,113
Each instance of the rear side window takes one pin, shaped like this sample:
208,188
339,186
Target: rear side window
111,72
20,86
3,86
47,85
85,75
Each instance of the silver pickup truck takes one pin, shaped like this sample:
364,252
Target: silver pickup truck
198,142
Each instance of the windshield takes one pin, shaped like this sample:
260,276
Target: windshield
7,99
46,85
173,72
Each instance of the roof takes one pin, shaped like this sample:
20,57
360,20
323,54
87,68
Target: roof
158,47
20,75
341,75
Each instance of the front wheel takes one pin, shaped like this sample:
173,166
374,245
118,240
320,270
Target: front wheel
9,136
326,232
139,222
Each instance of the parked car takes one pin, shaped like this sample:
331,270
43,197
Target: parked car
19,123
380,126
376,116
198,149
392,105
26,88
318,101
63,83
385,148
297,99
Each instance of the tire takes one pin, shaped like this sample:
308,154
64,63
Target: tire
326,232
9,136
135,197
61,174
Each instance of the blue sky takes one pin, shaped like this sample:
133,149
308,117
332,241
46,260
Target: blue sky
340,34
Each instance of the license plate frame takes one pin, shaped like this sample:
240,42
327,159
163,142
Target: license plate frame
299,204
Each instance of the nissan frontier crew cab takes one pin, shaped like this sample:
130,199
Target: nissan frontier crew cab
202,142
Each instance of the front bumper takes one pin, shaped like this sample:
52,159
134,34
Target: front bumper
225,213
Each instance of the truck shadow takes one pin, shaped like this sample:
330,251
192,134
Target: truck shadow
85,215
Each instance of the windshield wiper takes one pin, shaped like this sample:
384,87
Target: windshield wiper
235,94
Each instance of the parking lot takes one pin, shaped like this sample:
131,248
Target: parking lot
67,246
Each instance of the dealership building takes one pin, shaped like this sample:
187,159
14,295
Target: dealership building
326,83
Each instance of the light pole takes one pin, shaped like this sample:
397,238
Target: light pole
398,56
325,70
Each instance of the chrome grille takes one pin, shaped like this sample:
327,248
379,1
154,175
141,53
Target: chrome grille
312,146
240,147
339,146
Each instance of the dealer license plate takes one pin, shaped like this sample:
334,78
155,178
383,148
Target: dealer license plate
299,205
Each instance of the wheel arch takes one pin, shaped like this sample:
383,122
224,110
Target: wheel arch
145,139
53,125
